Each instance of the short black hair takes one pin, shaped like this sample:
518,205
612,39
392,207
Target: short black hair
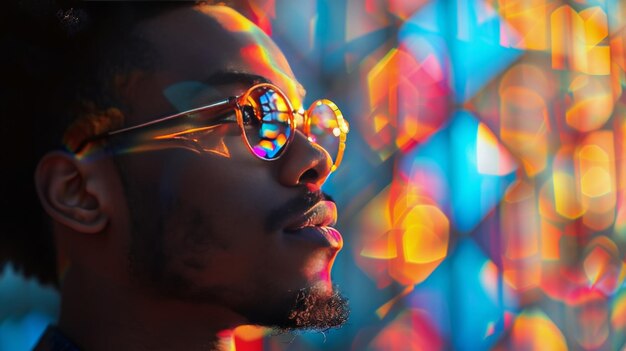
60,60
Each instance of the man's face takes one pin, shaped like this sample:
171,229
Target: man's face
216,227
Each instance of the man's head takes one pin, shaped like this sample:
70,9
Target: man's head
220,229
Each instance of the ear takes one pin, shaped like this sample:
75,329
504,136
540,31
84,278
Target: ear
62,185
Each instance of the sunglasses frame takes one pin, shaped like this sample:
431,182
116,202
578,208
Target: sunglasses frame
237,104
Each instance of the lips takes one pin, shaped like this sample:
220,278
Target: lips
315,225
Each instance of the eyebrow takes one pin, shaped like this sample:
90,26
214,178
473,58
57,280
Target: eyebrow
229,77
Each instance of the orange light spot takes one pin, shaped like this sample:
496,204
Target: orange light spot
591,103
577,39
381,78
567,195
596,182
596,163
248,338
533,330
550,237
530,20
425,238
567,203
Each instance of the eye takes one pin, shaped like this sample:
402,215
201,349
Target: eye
249,115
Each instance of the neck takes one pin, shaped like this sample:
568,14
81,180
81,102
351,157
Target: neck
98,315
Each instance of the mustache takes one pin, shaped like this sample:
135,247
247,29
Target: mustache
296,206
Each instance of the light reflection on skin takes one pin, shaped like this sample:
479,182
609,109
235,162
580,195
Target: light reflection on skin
273,67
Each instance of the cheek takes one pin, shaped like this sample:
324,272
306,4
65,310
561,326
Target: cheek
215,226
215,205
229,186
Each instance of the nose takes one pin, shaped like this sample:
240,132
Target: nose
304,163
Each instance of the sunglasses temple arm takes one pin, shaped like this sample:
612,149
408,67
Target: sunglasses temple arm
220,104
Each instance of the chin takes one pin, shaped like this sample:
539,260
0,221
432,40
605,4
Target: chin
314,305
318,308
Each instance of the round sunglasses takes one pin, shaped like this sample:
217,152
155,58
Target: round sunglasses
265,116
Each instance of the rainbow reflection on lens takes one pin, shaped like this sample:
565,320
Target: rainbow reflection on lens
267,123
326,127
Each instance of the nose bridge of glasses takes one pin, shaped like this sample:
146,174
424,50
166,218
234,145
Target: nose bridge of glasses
299,117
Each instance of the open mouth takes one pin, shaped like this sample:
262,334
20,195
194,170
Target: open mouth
316,225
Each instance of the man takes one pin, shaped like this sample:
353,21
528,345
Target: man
185,203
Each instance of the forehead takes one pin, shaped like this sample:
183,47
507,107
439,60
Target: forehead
195,44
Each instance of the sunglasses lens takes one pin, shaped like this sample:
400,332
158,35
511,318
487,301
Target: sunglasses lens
266,118
325,128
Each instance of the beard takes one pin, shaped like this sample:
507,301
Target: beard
316,311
